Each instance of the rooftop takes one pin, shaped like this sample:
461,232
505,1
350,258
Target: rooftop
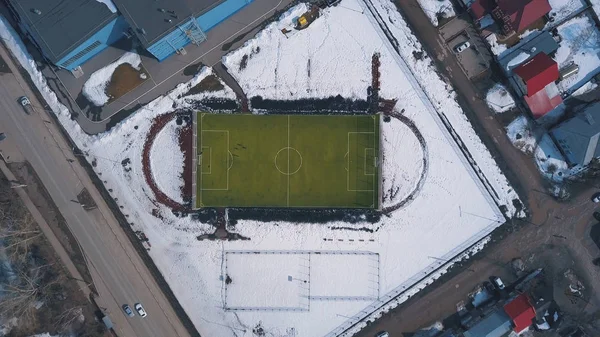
153,19
537,73
520,13
578,137
521,312
495,325
59,26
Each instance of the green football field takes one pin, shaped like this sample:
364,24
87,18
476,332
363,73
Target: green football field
286,161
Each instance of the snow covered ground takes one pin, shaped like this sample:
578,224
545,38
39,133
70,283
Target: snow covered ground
561,9
537,143
412,242
580,45
168,178
435,9
94,89
499,99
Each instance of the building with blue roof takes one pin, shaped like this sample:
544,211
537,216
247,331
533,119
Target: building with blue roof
70,32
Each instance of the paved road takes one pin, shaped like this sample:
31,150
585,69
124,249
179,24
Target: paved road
569,219
166,75
118,272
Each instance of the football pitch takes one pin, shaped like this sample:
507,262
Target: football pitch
301,161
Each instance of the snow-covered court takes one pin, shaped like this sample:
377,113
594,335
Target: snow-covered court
441,198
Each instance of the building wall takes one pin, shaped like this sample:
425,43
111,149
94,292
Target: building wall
95,44
178,39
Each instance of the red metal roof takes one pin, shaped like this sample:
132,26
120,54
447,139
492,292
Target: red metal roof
521,13
540,104
537,73
481,8
521,312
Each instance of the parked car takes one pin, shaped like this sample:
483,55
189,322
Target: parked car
497,282
26,104
2,136
127,310
462,47
382,334
489,287
596,197
138,307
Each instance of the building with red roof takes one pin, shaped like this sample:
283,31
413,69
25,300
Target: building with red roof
536,80
513,16
521,312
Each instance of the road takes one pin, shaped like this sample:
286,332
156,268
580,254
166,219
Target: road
117,270
550,220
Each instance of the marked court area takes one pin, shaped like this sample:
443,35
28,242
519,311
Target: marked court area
287,161
291,280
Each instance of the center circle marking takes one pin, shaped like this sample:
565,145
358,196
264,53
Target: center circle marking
292,152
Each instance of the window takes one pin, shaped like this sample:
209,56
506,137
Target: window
80,54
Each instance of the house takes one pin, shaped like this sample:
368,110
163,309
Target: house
521,311
497,324
513,16
577,138
528,48
535,79
70,32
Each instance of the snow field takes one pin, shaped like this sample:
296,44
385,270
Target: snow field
499,99
166,148
438,97
344,276
266,281
401,178
330,58
94,89
437,8
580,45
561,9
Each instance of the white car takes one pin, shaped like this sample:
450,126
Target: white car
497,282
461,47
596,197
382,334
140,310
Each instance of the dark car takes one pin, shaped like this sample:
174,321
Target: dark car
489,287
596,213
596,197
2,136
128,310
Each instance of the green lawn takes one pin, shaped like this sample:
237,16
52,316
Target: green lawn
287,161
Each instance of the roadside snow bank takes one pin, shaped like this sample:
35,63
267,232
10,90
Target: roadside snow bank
435,9
499,99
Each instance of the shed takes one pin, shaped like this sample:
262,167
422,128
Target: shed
521,312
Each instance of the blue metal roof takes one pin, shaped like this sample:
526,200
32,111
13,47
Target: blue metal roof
495,325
